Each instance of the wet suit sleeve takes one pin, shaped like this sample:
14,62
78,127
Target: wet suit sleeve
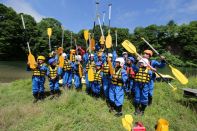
124,75
157,64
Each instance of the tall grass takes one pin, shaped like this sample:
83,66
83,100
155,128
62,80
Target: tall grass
78,111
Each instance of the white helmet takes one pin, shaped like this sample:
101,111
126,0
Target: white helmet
144,61
91,55
64,55
78,57
110,55
124,53
121,60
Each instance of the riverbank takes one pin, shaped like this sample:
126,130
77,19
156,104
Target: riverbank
16,70
78,111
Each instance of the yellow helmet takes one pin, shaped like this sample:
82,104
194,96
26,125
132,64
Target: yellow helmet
41,57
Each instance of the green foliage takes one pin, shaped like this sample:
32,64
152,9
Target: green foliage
78,111
180,41
173,59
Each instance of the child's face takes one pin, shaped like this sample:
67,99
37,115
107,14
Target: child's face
109,58
54,64
98,67
141,64
146,55
129,62
117,63
40,61
91,58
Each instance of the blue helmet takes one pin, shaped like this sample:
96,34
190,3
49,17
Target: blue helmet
51,61
131,59
98,63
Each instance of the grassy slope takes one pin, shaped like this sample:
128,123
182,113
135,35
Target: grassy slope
77,111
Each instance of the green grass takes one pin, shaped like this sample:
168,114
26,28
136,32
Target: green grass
78,111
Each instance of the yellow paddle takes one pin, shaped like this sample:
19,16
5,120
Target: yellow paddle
31,58
111,69
90,70
131,48
126,125
86,37
80,70
108,42
182,78
102,38
127,122
92,44
61,61
49,32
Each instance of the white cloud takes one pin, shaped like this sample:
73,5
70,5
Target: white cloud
22,6
173,9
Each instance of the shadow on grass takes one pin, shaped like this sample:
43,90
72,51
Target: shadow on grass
189,103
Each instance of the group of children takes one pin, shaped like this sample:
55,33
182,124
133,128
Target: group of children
113,77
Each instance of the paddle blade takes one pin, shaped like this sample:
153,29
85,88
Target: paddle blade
182,78
61,61
108,42
126,125
90,74
80,71
129,47
32,61
86,34
129,119
111,69
49,32
102,40
71,57
92,44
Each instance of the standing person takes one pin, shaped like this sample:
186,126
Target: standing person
142,79
106,77
130,68
97,83
125,56
155,64
53,73
38,79
116,91
67,73
77,68
89,60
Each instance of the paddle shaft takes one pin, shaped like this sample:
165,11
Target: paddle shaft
100,26
96,14
76,46
62,36
71,37
116,37
153,49
103,18
25,32
49,43
109,15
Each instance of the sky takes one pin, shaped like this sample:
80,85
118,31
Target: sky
76,15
